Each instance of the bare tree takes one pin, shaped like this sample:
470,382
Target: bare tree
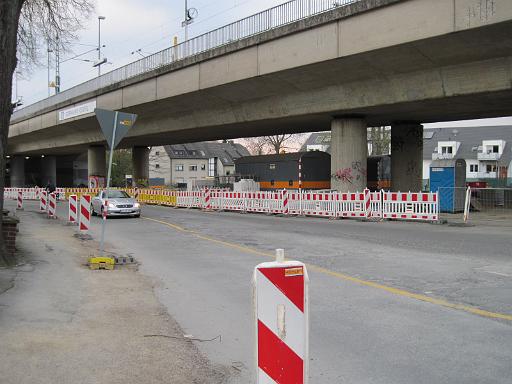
281,143
25,26
274,144
255,145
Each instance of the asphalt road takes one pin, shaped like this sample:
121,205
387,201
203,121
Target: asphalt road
390,302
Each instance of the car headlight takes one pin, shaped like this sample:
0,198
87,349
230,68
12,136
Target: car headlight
136,205
111,205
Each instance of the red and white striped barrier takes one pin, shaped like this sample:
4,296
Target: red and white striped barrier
410,206
52,206
285,202
73,209
19,205
84,220
43,201
207,200
282,321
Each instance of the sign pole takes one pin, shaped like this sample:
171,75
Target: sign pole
104,221
115,126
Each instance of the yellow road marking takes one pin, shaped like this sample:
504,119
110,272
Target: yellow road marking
342,276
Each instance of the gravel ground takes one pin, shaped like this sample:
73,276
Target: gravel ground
62,323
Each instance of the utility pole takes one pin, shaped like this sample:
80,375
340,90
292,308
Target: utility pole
99,44
190,15
48,54
57,65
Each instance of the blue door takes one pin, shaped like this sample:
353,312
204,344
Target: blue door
442,180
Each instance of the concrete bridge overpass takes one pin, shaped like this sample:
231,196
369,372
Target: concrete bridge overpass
362,63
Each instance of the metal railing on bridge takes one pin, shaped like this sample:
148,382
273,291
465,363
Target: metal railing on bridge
269,19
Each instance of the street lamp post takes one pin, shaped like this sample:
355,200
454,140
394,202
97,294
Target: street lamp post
99,43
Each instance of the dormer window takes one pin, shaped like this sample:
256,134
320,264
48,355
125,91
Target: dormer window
446,150
495,149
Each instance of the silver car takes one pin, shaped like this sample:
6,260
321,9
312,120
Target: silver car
119,204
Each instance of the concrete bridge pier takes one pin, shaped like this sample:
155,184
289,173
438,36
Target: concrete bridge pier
49,170
17,171
349,152
406,157
140,162
96,161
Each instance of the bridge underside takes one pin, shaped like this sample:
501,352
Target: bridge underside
461,75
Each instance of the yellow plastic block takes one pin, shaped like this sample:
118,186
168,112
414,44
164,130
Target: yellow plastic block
101,263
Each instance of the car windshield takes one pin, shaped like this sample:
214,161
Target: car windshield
118,195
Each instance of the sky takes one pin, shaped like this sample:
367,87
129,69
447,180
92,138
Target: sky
148,26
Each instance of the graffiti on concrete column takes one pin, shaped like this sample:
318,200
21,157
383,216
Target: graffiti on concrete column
359,170
344,175
411,169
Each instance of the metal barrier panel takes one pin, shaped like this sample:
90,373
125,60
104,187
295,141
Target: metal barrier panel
295,203
410,206
318,204
351,205
233,201
376,205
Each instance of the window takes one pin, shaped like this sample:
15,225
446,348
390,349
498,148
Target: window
157,153
491,168
192,168
272,166
495,149
212,167
157,166
203,167
179,167
446,150
473,168
228,173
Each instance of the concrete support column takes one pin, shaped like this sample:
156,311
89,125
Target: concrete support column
349,152
17,171
49,170
140,161
96,161
406,157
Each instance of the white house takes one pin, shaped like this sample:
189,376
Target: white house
487,151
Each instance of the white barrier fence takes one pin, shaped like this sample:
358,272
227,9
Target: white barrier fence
361,205
30,193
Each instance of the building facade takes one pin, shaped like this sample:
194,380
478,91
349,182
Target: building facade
486,150
196,164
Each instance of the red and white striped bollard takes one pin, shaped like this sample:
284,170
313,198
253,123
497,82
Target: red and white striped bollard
73,209
52,206
19,205
285,202
84,220
207,200
282,321
367,203
43,201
